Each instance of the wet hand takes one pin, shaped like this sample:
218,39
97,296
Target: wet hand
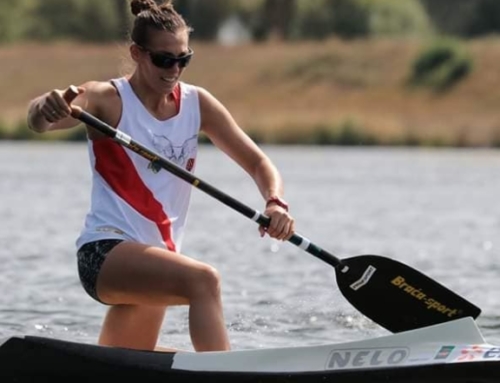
282,225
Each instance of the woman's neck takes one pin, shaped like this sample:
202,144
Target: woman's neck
152,99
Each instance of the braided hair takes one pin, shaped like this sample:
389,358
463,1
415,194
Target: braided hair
152,16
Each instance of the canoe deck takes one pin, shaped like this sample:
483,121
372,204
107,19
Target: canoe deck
29,359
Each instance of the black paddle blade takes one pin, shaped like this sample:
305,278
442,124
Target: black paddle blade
396,296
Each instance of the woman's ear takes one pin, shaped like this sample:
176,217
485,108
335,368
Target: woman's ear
135,52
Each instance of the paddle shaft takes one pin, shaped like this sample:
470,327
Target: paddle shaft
173,168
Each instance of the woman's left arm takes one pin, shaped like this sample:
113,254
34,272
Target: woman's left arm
219,125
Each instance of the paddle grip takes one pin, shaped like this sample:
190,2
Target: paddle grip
69,95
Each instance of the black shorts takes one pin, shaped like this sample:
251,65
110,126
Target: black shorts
90,259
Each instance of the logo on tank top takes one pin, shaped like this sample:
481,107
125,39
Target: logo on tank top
182,155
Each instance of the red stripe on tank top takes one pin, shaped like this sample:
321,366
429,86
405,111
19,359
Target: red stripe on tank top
176,95
118,170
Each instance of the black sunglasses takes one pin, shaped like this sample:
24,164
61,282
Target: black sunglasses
166,60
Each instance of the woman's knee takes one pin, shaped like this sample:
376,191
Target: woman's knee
206,281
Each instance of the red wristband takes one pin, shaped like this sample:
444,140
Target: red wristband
278,201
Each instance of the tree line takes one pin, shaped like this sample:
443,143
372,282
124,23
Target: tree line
110,20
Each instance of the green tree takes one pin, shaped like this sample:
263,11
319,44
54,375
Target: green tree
87,20
203,16
124,19
100,21
277,19
452,17
464,17
361,18
15,19
487,18
358,18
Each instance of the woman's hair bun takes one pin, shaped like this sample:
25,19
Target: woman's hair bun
138,6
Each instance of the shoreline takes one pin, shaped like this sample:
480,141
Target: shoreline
329,92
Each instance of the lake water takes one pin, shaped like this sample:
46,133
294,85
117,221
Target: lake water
437,210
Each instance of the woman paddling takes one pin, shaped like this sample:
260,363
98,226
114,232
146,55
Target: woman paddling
129,251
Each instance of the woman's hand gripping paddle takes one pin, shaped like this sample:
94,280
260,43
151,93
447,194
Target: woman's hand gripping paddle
390,293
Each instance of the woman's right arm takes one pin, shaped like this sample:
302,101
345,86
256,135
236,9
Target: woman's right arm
51,112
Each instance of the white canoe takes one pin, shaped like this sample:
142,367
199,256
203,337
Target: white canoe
449,352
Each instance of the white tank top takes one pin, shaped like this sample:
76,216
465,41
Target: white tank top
131,199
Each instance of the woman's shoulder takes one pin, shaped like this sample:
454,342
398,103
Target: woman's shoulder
100,93
102,100
100,88
204,95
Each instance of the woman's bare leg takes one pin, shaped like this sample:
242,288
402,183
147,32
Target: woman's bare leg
132,326
136,279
